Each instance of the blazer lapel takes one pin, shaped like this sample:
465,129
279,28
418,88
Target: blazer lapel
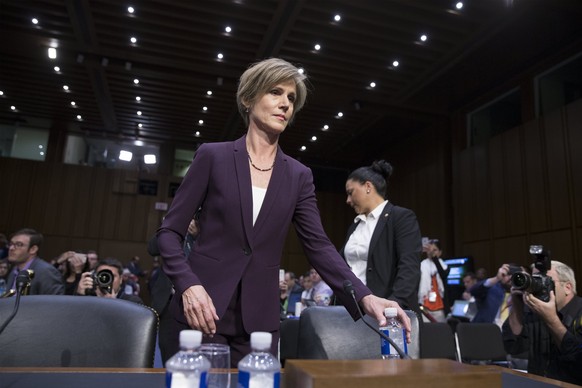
278,179
243,176
382,221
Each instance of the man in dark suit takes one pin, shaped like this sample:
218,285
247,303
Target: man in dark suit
23,254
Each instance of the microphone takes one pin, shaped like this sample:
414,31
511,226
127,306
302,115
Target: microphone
23,280
349,289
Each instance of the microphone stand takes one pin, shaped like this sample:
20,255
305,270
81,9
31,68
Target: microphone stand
350,290
22,282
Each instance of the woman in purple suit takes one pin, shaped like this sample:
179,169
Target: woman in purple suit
249,193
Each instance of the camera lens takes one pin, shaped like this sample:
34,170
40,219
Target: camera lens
104,278
520,280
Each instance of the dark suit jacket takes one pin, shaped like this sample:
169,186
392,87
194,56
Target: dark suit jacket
488,301
229,250
47,279
393,269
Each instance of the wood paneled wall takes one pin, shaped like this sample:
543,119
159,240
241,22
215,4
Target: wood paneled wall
523,187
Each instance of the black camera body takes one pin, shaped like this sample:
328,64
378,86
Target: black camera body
538,284
102,279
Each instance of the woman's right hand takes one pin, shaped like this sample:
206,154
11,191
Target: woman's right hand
199,310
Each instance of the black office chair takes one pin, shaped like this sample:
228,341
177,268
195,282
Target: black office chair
480,343
77,331
331,333
437,341
289,338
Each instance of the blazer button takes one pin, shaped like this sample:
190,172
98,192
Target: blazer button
370,269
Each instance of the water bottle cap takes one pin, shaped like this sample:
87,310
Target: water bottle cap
390,312
190,339
261,340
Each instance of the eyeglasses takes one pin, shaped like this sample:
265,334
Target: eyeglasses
17,244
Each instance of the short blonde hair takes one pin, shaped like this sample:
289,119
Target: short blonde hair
263,75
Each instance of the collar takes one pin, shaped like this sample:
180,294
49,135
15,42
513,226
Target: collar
374,214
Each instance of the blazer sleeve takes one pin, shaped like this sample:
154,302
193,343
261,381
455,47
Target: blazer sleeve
408,244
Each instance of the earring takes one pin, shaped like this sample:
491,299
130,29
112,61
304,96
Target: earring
247,110
367,191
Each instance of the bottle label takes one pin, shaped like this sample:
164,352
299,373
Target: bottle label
258,380
385,345
186,380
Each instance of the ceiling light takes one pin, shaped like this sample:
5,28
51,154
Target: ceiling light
12,107
395,63
200,122
34,21
301,70
138,143
197,133
40,146
313,138
340,115
125,155
1,93
209,92
372,84
138,98
133,40
139,112
65,88
317,47
459,5
136,81
79,118
149,159
73,103
337,18
204,108
139,125
423,38
52,53
303,148
220,56
130,9
41,153
57,69
228,29
325,127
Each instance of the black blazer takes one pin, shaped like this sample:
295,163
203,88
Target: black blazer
393,269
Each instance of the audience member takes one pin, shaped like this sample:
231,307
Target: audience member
306,295
23,254
135,268
469,280
550,332
93,259
433,278
481,274
3,246
115,291
290,293
322,293
130,282
492,296
384,242
74,264
250,192
4,268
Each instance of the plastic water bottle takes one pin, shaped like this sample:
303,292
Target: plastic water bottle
188,368
259,369
396,334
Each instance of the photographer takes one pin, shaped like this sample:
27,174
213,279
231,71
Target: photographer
107,269
550,332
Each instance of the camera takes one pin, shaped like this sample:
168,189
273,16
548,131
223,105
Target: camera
539,284
102,279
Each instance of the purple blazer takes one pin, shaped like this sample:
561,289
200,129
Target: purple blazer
229,250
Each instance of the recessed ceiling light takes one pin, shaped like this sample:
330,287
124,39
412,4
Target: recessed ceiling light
12,107
220,56
303,148
459,5
34,21
209,92
136,81
317,47
130,9
337,18
301,70
52,53
228,29
197,133
73,103
204,108
395,63
79,118
1,93
149,159
200,122
126,156
139,112
65,88
138,98
340,115
57,69
423,38
325,128
139,125
372,84
138,143
133,40
313,138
